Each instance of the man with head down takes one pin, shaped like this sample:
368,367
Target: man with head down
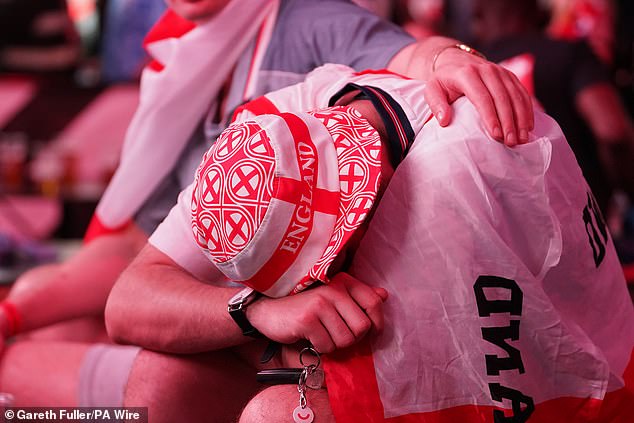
282,200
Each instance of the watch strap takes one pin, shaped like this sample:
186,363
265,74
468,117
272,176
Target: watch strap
240,317
238,314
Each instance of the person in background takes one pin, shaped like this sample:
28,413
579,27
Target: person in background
126,23
624,80
423,18
37,36
570,84
590,20
382,8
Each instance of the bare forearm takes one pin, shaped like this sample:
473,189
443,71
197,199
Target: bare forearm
617,157
416,60
157,305
602,109
161,307
76,288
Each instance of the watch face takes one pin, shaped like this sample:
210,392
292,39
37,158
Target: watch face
241,296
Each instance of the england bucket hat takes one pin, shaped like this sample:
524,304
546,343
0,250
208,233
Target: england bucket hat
276,198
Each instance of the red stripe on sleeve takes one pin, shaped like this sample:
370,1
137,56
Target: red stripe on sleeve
96,228
380,72
259,106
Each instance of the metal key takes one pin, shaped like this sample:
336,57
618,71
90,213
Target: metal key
314,376
282,376
315,380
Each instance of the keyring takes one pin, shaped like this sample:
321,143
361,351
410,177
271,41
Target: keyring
313,352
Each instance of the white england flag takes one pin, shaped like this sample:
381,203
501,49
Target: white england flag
507,302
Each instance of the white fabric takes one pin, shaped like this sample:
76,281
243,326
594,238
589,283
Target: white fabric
175,99
462,206
174,238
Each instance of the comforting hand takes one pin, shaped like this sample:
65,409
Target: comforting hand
331,316
505,106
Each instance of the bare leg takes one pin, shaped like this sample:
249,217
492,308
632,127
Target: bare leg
76,288
86,330
42,373
276,404
211,387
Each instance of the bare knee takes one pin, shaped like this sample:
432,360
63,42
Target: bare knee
33,279
30,370
211,387
277,403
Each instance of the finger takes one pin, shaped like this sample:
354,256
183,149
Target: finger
481,96
494,79
375,313
525,117
321,340
365,299
368,300
338,327
522,105
355,317
349,310
437,98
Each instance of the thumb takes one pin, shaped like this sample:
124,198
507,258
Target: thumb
437,98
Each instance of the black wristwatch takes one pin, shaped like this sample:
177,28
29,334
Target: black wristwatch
237,308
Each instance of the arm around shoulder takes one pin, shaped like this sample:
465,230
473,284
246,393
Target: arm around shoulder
451,70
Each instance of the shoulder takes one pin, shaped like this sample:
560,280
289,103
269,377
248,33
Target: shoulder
306,7
327,16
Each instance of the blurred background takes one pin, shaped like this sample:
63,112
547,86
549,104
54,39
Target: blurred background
69,72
